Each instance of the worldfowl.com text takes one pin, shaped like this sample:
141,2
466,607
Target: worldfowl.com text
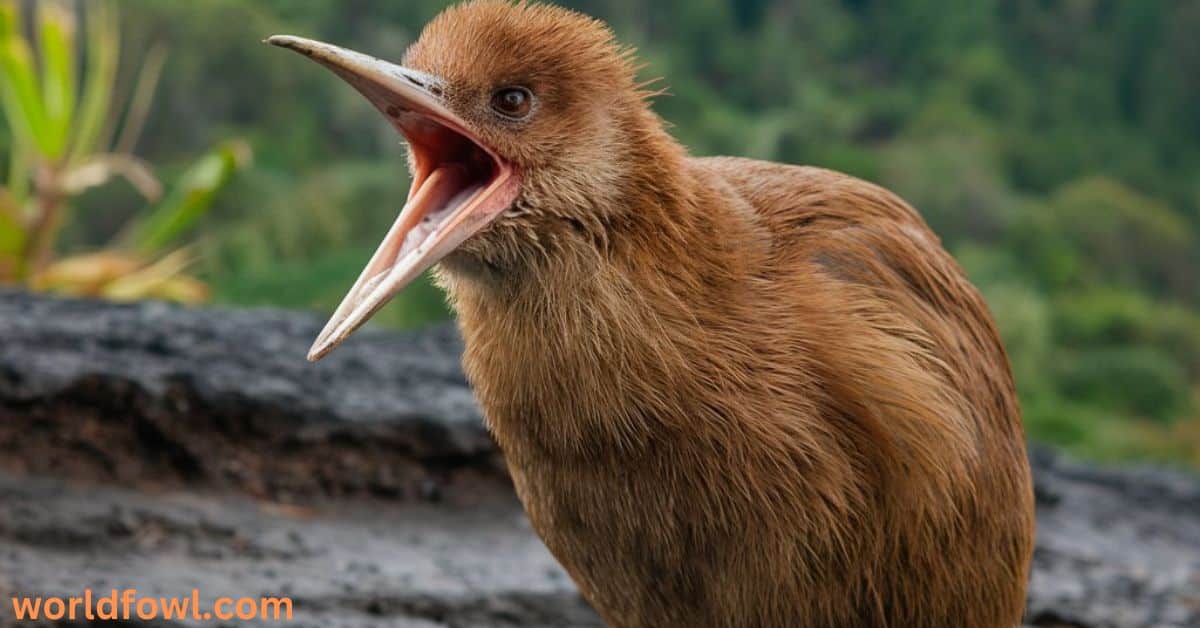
126,605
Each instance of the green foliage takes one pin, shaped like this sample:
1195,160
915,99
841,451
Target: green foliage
58,149
1109,317
1140,382
1097,231
189,201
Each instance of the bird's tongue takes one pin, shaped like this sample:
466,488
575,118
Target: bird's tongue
432,201
443,192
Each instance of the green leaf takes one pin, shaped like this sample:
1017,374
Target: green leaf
19,93
189,200
12,230
20,162
56,39
95,106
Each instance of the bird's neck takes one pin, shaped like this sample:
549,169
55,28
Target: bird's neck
609,341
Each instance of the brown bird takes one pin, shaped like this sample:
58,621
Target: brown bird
729,392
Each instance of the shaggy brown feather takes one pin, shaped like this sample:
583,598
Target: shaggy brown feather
730,393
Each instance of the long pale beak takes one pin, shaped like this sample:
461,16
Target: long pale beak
459,184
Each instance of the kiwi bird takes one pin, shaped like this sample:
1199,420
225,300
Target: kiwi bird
729,392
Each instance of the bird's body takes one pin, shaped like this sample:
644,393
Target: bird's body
729,392
811,424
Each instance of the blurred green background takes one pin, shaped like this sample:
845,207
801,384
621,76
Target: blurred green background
1053,144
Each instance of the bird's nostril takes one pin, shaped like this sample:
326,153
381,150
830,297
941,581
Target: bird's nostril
429,86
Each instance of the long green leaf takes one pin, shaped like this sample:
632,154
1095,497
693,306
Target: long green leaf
19,92
20,160
191,198
56,39
95,106
12,229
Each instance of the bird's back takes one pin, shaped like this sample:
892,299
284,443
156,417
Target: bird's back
911,361
876,252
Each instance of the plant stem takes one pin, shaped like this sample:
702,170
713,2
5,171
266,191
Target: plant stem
44,229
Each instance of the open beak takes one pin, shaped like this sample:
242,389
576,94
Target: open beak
459,184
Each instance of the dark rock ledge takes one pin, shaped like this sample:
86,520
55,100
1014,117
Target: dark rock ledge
167,449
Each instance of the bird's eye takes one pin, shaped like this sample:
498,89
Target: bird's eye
512,102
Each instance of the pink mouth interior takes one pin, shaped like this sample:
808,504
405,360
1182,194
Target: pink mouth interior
451,172
437,146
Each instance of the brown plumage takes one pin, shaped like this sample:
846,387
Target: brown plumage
729,392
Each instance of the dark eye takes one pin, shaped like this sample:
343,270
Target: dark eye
512,102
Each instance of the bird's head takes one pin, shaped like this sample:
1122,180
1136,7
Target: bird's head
518,119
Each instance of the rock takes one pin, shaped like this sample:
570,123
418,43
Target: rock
171,449
152,393
363,562
1116,547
